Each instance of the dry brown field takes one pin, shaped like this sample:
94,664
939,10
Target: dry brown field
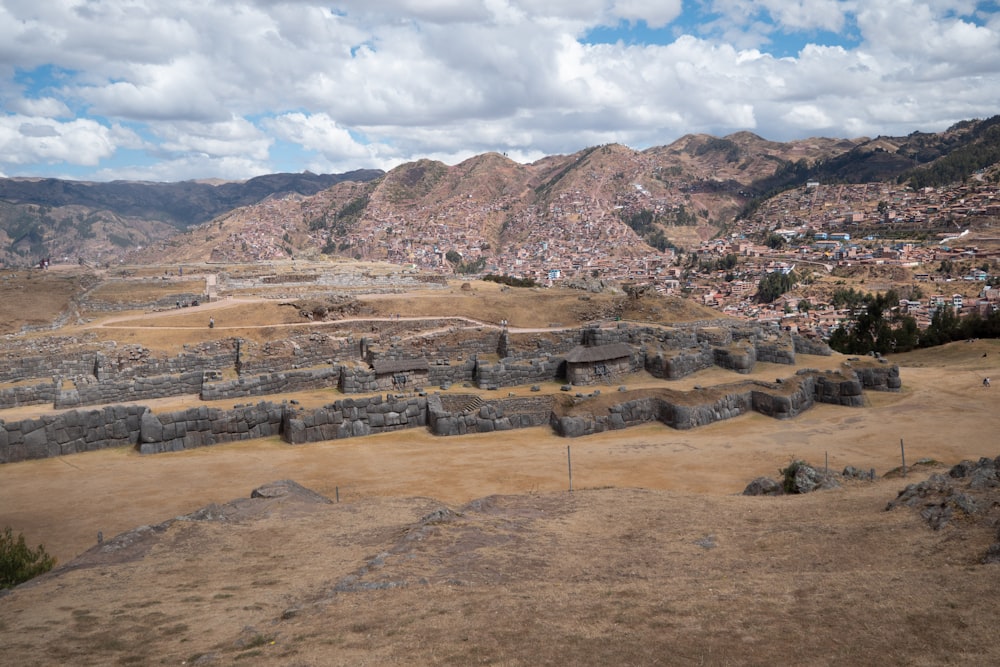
473,550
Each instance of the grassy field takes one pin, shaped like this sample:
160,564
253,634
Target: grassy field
472,550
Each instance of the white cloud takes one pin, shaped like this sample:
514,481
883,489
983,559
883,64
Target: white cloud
48,107
187,168
233,138
656,13
322,134
24,140
361,83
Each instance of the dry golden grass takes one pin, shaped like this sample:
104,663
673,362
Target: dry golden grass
653,559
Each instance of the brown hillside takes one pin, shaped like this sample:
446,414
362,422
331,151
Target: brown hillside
492,204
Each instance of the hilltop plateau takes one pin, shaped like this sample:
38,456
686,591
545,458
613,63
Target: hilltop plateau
454,550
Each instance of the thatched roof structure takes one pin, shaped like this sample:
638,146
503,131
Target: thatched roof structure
588,355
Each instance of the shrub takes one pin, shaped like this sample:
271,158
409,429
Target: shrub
18,562
788,475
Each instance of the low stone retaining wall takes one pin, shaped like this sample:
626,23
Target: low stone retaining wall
488,416
271,383
70,433
37,394
351,418
93,392
884,377
781,400
203,426
513,373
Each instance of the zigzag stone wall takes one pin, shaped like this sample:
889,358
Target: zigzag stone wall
781,400
135,425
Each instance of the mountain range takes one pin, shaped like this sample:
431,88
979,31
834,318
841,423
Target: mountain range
626,202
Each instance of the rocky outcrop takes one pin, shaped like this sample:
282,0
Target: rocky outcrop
763,486
967,493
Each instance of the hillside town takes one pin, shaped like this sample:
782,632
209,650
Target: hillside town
579,239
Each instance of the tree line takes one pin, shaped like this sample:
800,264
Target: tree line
877,325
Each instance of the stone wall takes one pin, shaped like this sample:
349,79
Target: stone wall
354,418
776,352
69,433
357,379
781,400
300,351
15,367
810,346
740,358
272,383
884,377
93,392
838,389
135,425
36,394
91,304
443,373
513,372
203,426
487,416
671,365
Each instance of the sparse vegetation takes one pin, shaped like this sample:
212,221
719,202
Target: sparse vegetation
787,475
19,562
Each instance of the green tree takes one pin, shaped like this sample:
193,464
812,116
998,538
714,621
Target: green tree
775,241
774,285
18,562
453,256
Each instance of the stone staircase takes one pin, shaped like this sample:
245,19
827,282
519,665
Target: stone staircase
473,405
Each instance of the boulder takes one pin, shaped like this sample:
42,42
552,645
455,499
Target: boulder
763,486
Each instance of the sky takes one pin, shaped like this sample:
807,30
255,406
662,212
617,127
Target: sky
171,90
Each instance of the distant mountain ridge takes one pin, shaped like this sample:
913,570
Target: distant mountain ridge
181,204
488,212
